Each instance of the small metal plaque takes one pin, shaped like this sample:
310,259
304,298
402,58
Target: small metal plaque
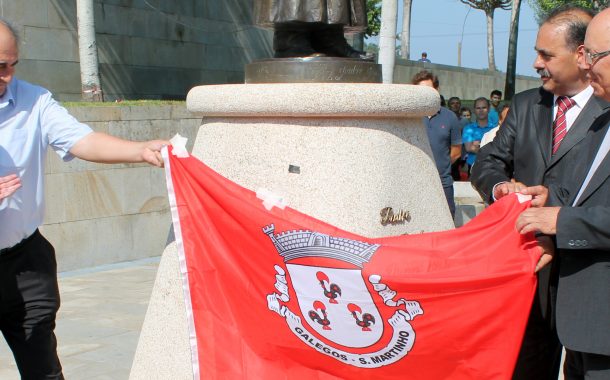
313,70
294,169
388,216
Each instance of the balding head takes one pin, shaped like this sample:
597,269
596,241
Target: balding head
7,31
9,55
597,54
600,26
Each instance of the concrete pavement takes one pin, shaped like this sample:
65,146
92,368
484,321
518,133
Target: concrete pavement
99,320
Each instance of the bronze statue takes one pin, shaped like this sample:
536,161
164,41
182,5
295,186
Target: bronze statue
305,28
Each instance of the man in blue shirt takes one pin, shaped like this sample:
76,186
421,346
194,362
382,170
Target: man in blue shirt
31,121
473,132
443,130
494,110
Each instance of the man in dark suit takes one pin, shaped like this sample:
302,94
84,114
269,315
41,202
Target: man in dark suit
537,144
581,226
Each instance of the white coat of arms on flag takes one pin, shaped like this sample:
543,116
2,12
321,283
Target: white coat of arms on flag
337,314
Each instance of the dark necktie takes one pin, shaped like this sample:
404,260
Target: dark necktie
560,125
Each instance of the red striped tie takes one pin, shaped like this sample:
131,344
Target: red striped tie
560,125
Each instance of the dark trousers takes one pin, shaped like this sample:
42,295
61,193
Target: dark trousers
540,354
582,365
29,300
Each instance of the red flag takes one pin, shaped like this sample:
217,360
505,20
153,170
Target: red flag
281,295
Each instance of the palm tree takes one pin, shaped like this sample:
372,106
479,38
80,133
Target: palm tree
387,39
511,63
89,72
406,29
489,6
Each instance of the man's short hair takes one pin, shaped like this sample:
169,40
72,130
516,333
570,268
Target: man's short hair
480,99
425,75
575,19
496,92
453,98
12,30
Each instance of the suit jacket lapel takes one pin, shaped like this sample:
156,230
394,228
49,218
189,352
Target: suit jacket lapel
542,123
600,175
597,134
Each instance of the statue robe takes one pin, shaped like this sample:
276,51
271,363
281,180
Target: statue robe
349,13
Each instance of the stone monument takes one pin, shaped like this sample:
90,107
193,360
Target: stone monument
355,155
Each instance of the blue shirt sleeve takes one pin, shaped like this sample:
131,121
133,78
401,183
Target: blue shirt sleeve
61,129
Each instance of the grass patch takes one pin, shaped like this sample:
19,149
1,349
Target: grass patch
124,103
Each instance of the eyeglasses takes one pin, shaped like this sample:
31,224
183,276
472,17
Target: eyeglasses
6,65
591,58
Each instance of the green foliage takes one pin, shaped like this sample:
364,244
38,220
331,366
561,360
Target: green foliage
373,12
542,7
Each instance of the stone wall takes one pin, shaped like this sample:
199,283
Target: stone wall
100,214
148,49
158,49
461,82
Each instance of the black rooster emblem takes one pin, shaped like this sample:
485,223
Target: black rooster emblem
322,320
334,290
367,319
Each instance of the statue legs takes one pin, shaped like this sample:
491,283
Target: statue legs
300,39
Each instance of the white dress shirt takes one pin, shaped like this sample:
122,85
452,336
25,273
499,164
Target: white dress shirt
580,99
30,121
603,150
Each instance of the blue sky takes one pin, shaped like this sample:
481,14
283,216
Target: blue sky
436,27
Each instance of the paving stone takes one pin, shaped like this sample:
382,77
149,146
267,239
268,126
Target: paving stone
99,322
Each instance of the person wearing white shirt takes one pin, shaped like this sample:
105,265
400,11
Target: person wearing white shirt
30,122
578,218
539,143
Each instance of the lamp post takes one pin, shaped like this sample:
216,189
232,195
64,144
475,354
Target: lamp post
461,39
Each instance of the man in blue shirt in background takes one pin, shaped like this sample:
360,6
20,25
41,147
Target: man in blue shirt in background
473,132
31,121
443,130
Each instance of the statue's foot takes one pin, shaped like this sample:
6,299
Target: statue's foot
331,42
292,43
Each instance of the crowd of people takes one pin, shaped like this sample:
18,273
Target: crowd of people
551,143
455,138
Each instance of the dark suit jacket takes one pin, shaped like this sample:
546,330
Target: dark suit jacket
522,150
583,245
522,147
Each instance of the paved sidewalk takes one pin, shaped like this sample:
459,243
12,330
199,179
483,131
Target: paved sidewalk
99,322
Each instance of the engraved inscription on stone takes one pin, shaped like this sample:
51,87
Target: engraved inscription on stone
388,216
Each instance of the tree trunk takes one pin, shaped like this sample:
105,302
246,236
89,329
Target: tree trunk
406,29
511,63
387,39
87,47
490,40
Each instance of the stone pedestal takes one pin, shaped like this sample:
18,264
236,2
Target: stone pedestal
343,153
